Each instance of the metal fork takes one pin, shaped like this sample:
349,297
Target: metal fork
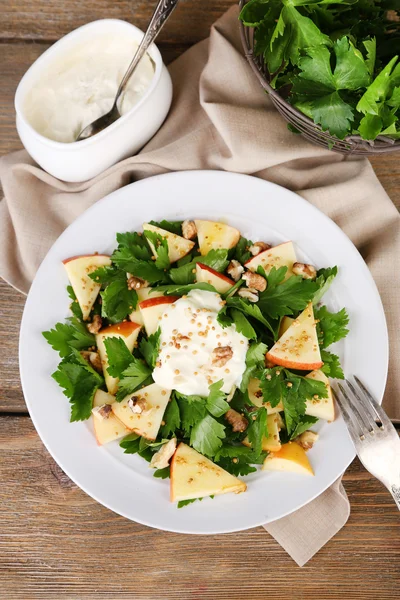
377,445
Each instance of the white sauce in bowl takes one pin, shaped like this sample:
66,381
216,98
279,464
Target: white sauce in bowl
81,86
189,334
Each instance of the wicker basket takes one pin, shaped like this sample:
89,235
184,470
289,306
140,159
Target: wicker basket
352,144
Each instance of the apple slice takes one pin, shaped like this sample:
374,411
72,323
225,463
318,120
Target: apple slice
195,476
148,422
279,256
270,441
152,310
323,408
178,247
298,347
213,236
284,325
142,294
126,331
256,397
290,458
106,429
78,269
205,274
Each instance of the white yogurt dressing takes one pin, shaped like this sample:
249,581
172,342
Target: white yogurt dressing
189,333
81,86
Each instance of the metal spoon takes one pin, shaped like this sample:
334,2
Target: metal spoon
161,14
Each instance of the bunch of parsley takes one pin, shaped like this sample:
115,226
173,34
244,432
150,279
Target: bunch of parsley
336,61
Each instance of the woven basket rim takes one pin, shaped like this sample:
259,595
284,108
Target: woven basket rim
380,145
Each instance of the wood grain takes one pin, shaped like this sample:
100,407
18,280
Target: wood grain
58,543
48,20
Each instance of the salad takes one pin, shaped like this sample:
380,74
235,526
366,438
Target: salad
201,351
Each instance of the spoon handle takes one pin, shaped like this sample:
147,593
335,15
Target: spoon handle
161,13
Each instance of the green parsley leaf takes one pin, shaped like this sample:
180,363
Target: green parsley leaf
130,443
331,327
105,275
118,354
74,306
67,336
118,301
303,425
181,290
324,280
150,348
254,361
285,297
79,385
237,460
257,429
370,46
241,252
136,244
171,418
186,273
192,410
133,377
207,435
162,473
377,91
243,326
216,401
249,309
160,247
295,396
183,503
144,269
171,226
272,385
331,366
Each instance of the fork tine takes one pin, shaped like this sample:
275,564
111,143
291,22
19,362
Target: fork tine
352,410
384,419
352,428
367,414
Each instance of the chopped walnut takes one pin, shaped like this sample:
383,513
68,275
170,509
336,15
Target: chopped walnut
253,280
238,421
135,283
95,325
392,15
235,269
189,230
160,460
306,271
258,247
137,405
102,412
307,439
250,294
221,355
93,358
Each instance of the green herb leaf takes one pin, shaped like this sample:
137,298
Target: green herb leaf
67,336
160,247
331,327
377,91
324,280
171,226
331,366
133,377
144,269
242,324
181,290
135,243
192,410
256,430
254,361
162,473
272,385
249,309
171,418
150,348
74,306
285,297
237,460
118,354
216,401
207,435
303,425
79,385
241,252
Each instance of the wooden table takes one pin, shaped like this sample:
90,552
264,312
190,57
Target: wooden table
55,542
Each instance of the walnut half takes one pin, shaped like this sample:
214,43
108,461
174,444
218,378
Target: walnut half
236,420
235,269
253,280
102,412
189,230
307,439
93,358
160,460
306,271
135,283
96,324
258,247
137,405
221,355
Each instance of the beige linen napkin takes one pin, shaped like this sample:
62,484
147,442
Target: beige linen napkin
221,119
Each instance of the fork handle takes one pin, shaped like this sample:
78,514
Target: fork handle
395,491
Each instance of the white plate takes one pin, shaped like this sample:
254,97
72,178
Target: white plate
261,210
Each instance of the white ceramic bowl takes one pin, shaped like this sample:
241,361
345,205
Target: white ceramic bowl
79,161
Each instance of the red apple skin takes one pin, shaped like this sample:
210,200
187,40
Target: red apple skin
290,364
125,328
158,300
216,273
67,260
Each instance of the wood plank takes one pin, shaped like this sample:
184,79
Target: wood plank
57,542
48,20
